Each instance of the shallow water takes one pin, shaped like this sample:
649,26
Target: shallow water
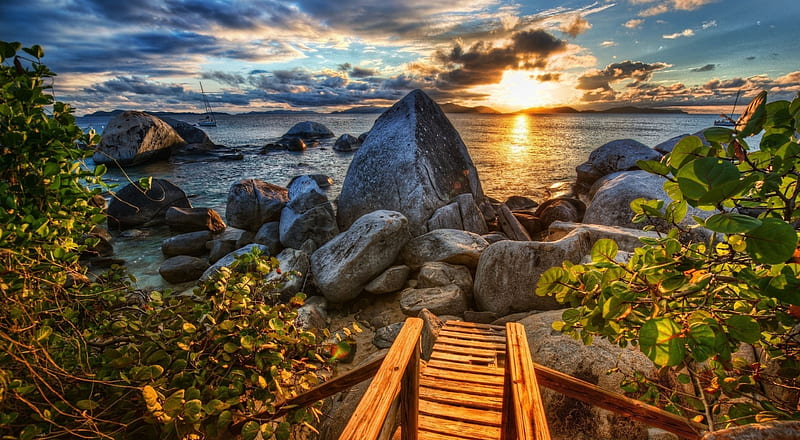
514,155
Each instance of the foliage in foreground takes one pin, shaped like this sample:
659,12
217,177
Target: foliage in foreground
721,314
96,359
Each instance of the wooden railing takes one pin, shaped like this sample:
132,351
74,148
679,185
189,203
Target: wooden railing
524,417
398,376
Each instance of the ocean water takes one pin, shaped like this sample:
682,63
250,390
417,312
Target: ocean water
514,154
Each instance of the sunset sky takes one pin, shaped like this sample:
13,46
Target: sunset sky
327,55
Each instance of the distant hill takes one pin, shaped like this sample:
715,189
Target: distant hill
614,110
549,110
102,114
364,109
455,108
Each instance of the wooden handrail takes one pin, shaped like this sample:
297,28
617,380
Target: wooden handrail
395,373
617,403
523,417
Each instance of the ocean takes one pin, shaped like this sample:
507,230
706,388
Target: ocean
523,155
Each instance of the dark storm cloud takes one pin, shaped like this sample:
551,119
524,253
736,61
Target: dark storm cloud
545,77
135,85
597,83
482,63
706,68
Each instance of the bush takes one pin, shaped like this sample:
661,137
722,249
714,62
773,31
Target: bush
690,306
83,358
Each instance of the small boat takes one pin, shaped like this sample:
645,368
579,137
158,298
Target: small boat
728,121
208,120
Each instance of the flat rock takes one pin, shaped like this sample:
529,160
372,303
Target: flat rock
182,268
190,243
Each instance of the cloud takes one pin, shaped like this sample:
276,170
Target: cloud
545,77
608,43
633,23
709,24
706,68
683,33
655,10
671,5
576,26
597,83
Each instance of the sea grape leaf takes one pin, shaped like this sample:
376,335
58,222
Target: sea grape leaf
700,176
604,250
653,167
661,340
685,151
731,223
744,328
718,134
773,242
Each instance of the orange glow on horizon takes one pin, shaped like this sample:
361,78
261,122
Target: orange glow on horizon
519,89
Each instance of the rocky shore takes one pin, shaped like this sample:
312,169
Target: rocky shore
412,234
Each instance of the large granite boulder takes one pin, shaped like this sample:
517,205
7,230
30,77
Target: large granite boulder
614,156
132,138
627,239
613,195
307,216
508,271
253,202
190,243
190,133
269,235
413,162
437,274
132,206
194,219
575,419
445,245
391,280
308,130
345,264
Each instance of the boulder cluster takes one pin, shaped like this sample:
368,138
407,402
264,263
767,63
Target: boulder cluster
412,224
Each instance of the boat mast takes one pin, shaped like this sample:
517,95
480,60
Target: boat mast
206,103
735,101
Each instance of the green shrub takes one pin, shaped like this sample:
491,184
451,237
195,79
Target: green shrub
690,305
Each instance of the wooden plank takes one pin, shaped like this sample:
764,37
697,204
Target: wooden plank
467,324
464,351
617,403
474,331
473,336
469,360
522,403
458,386
459,398
427,435
456,412
464,429
409,396
454,366
432,372
368,418
447,340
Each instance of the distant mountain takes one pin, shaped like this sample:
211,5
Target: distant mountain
449,107
549,110
631,109
364,109
281,112
101,113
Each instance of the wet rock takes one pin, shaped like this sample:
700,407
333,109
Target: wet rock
133,138
309,130
182,268
194,219
189,133
190,243
253,202
345,264
132,206
347,143
269,235
413,162
307,216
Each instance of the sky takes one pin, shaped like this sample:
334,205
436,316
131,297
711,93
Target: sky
327,55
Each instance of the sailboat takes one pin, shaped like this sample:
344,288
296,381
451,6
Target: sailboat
208,120
728,121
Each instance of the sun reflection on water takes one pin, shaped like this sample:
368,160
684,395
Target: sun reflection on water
519,139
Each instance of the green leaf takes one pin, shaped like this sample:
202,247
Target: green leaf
660,340
688,149
731,223
193,410
276,324
35,51
283,432
550,280
250,430
700,176
174,403
753,117
702,341
87,404
653,167
721,135
613,307
744,328
44,332
604,250
773,242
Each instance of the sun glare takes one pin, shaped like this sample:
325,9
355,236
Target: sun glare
519,89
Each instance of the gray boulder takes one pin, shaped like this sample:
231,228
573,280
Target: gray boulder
508,271
610,204
269,235
309,130
253,202
445,245
194,219
560,209
347,143
385,336
132,138
413,162
307,216
312,314
227,260
182,268
445,300
446,217
134,207
391,280
614,156
627,239
218,248
345,264
189,133
190,243
590,363
472,218
437,274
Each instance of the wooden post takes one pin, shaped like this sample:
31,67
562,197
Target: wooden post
370,414
527,411
409,397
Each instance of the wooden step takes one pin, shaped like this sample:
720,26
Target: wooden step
459,398
443,426
455,366
468,389
472,336
460,413
460,376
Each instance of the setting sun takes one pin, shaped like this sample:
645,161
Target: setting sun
520,89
